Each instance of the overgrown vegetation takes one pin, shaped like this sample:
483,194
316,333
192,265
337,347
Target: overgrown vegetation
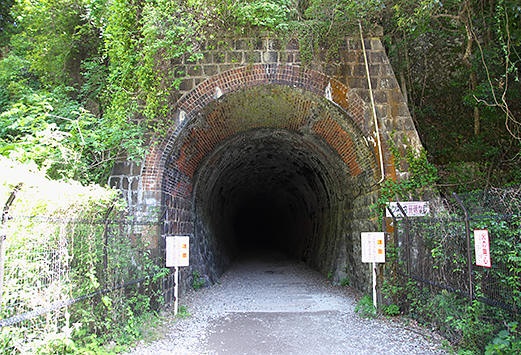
436,290
365,307
68,242
90,77
197,280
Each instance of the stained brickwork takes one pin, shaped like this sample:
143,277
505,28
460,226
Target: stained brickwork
324,156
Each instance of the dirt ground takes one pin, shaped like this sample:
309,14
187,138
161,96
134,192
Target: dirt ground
271,305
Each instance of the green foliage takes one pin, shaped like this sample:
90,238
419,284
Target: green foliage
465,106
51,258
422,177
322,25
57,132
197,281
44,94
505,250
345,282
141,41
183,312
391,310
122,61
170,31
507,341
339,15
270,15
50,38
6,21
365,307
414,17
423,174
469,325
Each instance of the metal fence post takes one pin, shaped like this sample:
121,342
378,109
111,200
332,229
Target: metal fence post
407,238
3,235
467,232
395,232
106,223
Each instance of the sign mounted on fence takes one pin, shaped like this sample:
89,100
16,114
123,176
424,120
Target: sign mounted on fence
177,250
411,208
482,248
373,247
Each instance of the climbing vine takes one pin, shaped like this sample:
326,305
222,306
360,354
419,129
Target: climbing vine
421,177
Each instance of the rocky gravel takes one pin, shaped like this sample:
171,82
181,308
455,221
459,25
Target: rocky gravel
273,306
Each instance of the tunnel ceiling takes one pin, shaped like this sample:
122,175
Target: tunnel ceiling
275,107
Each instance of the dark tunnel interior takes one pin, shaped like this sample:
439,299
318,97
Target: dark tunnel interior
261,223
272,169
268,190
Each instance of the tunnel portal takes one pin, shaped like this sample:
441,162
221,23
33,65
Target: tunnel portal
274,191
273,155
269,167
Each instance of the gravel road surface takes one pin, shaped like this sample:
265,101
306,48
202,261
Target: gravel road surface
271,305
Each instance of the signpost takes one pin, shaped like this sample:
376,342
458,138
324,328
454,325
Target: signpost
177,254
411,208
482,248
373,251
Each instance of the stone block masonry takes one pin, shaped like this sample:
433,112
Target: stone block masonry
263,150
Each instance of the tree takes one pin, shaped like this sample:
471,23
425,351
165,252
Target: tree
6,22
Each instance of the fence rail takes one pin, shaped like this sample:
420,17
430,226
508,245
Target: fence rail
438,250
86,268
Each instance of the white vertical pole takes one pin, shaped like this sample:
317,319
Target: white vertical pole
374,286
176,289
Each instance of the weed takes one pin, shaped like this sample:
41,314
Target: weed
182,312
197,280
507,341
391,310
365,307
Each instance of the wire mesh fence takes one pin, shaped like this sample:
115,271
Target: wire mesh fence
438,250
86,270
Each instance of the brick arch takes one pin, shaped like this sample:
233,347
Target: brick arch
324,164
190,106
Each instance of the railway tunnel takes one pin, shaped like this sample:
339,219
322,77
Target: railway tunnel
275,157
274,183
282,159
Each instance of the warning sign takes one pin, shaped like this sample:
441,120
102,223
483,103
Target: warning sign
411,208
373,247
177,251
482,247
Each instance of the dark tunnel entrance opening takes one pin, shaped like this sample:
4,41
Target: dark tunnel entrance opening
270,190
270,168
262,223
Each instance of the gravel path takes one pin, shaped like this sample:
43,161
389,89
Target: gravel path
273,306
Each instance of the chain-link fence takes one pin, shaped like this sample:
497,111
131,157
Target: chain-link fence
83,271
438,250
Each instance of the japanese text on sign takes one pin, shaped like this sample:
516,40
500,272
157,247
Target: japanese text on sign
482,248
177,251
411,208
373,247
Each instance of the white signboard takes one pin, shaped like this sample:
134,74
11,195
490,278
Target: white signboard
373,247
411,208
482,248
177,251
